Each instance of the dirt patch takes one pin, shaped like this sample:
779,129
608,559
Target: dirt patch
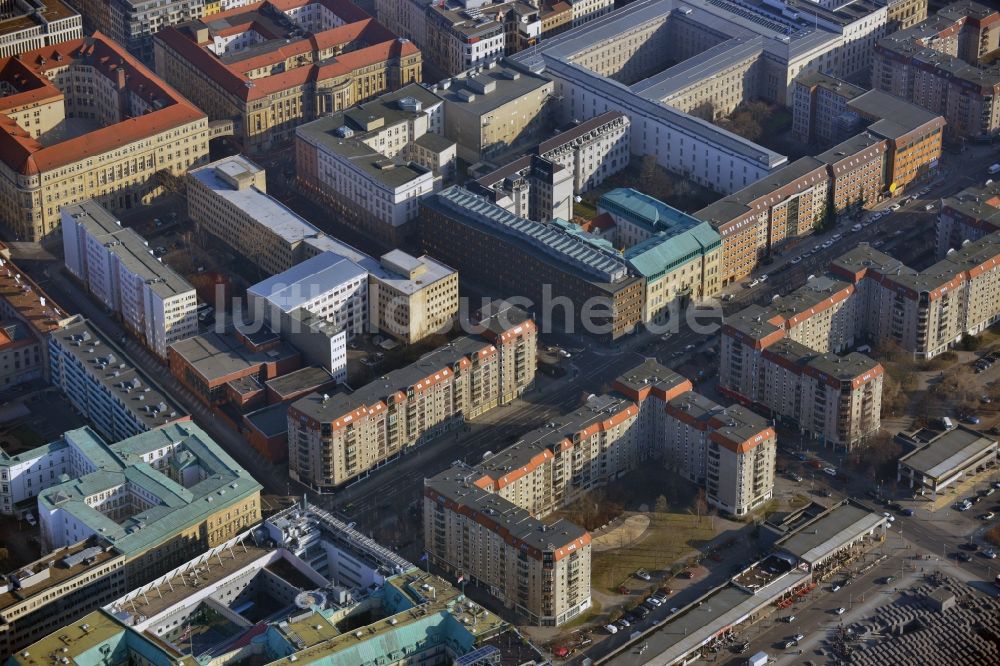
624,534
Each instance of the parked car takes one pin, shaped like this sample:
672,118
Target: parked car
642,574
963,557
835,587
989,554
795,260
788,619
840,611
611,629
989,515
907,512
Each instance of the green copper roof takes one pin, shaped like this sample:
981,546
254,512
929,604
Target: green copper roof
664,252
206,480
646,211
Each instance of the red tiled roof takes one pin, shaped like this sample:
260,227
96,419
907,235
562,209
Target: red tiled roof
378,44
28,156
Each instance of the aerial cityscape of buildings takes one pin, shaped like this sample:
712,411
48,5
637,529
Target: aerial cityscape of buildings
474,332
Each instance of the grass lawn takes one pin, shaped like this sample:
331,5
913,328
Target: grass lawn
670,537
584,209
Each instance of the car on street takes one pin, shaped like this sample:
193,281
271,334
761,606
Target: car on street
894,207
753,284
989,554
989,515
795,260
623,623
789,644
887,580
642,574
688,348
797,637
878,243
788,619
839,611
889,516
974,420
611,629
907,512
963,557
835,587
969,545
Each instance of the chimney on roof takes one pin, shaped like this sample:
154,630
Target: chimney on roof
120,72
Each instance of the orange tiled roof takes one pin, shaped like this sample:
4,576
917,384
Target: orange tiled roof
27,156
377,44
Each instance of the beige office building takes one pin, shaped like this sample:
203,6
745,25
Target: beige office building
142,136
413,297
496,110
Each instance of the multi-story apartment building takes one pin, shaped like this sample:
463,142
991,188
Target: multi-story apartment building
26,25
857,171
945,64
133,23
819,109
413,297
471,513
270,66
27,317
901,144
678,257
789,202
540,570
541,262
531,187
130,511
969,215
115,264
461,36
138,135
926,312
103,384
783,358
494,110
912,134
22,356
333,438
373,163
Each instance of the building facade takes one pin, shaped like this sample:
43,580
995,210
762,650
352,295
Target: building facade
413,297
143,135
333,438
943,64
102,383
269,67
374,163
131,511
471,513
538,261
115,264
27,25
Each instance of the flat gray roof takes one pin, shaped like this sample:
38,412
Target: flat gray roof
307,280
263,209
303,379
948,452
697,624
830,531
130,248
214,356
454,484
511,83
112,367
